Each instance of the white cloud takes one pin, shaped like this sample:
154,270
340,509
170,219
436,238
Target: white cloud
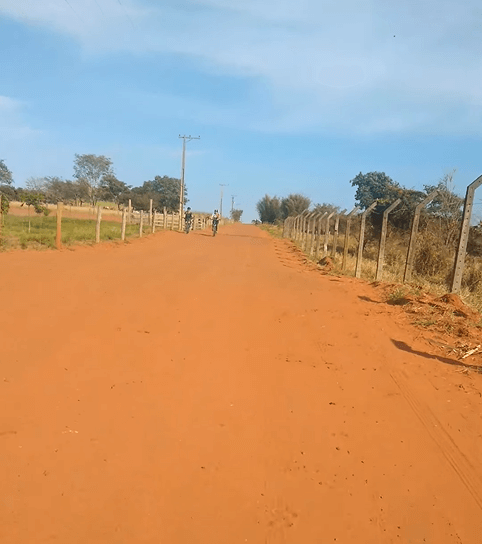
334,66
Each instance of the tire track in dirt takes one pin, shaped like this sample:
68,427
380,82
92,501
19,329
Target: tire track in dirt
435,429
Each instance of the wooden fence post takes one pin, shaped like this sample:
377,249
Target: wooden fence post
318,234
141,219
383,239
58,236
129,211
464,235
150,214
327,233
164,217
361,240
407,276
172,220
347,236
154,222
97,224
123,227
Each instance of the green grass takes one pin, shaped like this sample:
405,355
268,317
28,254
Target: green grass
43,229
274,230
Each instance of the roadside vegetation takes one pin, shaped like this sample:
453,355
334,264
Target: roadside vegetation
437,238
38,232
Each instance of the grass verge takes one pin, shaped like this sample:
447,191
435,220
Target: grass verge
15,232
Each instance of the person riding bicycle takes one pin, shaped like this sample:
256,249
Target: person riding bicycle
215,219
189,218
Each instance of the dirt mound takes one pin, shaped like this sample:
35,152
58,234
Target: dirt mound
327,264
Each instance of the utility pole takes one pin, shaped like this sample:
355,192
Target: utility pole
183,164
221,203
232,202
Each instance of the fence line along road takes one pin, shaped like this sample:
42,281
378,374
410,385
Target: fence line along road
300,227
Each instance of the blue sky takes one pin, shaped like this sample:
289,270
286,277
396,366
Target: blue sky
287,96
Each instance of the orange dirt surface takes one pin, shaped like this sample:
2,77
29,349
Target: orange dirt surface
189,389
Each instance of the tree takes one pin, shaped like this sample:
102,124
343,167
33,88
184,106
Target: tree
37,200
36,184
378,186
269,209
236,215
90,169
111,188
168,191
5,174
329,208
373,186
445,209
294,204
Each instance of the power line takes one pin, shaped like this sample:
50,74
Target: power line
127,15
76,13
98,5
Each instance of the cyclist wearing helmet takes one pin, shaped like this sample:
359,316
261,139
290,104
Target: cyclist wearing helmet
188,220
215,218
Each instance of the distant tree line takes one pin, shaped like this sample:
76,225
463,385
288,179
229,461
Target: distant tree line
94,180
446,207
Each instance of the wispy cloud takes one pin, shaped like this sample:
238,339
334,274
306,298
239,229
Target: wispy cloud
12,125
336,67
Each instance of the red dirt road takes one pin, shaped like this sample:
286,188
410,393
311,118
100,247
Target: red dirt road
197,390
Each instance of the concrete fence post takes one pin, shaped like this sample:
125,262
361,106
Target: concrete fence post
383,239
313,233
407,276
347,237
327,233
335,234
141,219
306,230
361,240
318,234
464,235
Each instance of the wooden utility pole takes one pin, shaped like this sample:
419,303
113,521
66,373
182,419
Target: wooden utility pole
58,237
183,165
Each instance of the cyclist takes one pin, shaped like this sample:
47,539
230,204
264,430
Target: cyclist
215,218
188,220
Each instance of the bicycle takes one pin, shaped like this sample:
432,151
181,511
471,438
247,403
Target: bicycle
215,228
189,225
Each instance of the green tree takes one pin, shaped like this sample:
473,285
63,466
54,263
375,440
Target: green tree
37,200
5,174
294,204
375,186
236,215
112,188
168,191
269,209
90,169
378,186
322,208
